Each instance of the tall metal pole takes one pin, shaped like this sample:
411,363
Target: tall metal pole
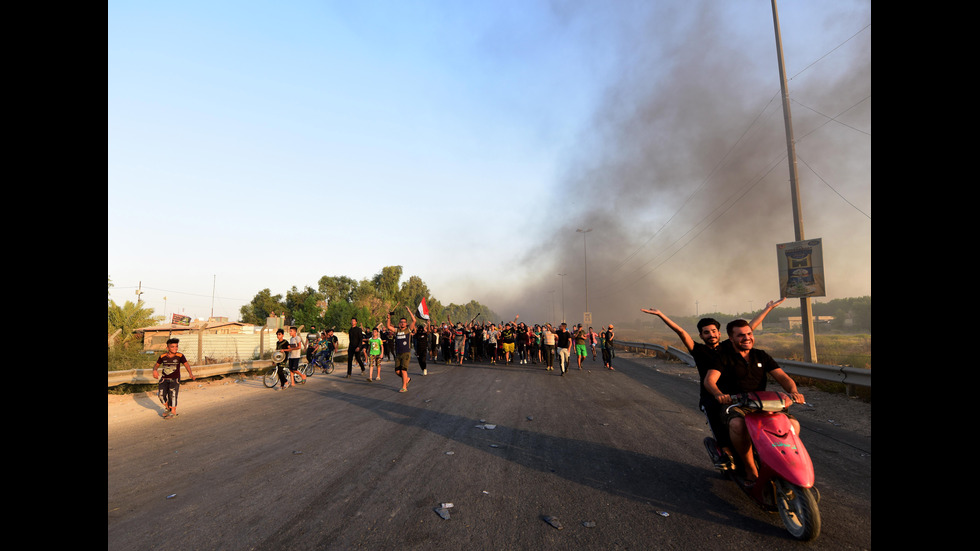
563,296
585,248
806,309
553,314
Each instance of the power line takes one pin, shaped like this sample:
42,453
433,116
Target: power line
732,200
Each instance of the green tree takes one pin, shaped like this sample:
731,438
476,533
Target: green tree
263,304
304,307
337,288
413,291
385,283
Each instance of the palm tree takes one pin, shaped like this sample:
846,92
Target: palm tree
129,318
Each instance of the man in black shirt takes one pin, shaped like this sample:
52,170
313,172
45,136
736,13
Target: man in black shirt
563,342
354,346
743,368
705,356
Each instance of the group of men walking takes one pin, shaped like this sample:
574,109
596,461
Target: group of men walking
724,367
451,342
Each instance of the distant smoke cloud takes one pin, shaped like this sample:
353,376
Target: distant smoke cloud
683,178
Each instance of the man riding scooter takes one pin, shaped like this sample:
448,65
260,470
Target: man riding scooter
743,368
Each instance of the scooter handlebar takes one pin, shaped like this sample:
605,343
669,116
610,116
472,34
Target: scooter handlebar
752,399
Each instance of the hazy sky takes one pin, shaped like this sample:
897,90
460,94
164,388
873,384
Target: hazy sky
263,145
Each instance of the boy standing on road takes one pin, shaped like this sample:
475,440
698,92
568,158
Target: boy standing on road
169,386
376,349
295,352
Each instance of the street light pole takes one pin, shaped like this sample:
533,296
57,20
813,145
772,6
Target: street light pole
553,314
585,248
562,296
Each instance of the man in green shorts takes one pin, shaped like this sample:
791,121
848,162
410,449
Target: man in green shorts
580,348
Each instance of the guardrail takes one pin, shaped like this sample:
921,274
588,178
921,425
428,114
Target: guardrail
834,373
145,376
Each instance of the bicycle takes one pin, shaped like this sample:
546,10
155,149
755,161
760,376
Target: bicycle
323,361
271,376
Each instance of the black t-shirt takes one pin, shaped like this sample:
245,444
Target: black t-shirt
403,341
564,338
705,358
739,374
607,342
169,365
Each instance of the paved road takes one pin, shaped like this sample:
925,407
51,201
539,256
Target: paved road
346,464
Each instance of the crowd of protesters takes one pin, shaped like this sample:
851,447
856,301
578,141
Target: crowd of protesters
505,343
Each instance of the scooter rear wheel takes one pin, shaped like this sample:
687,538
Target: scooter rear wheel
798,510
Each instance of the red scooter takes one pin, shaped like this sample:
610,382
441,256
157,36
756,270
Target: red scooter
785,482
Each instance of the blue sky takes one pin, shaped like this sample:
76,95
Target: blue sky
263,145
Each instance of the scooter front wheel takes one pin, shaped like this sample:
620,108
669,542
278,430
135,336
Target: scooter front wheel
798,509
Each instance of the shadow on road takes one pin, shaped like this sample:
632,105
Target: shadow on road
661,484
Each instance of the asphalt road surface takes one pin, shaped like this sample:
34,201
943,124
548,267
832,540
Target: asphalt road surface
347,464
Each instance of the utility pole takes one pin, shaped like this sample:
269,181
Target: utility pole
806,309
562,296
585,248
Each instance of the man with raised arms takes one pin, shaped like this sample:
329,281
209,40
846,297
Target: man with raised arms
743,368
403,347
709,330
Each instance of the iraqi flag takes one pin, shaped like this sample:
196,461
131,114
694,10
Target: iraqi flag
423,309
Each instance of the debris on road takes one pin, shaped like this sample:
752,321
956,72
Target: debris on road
554,522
